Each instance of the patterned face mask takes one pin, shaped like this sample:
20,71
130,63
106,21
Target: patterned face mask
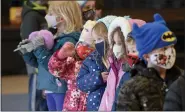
164,58
83,50
89,15
132,59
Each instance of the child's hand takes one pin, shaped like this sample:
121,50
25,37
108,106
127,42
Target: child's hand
43,94
77,67
67,50
105,76
56,74
70,60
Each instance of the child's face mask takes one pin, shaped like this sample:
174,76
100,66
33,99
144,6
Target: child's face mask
51,20
132,56
89,14
100,47
118,49
99,43
83,50
164,57
88,11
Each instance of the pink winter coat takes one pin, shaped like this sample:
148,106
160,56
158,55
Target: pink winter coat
112,83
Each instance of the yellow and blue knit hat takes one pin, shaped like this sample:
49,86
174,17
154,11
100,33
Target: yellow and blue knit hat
152,36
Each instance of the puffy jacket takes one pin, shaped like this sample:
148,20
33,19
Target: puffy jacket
146,90
40,58
113,80
89,80
175,98
124,78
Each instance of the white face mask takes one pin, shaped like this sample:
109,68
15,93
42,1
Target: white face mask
118,51
51,20
164,59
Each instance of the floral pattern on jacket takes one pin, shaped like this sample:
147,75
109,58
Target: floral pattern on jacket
75,100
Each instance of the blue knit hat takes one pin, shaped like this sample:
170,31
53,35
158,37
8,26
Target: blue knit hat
152,36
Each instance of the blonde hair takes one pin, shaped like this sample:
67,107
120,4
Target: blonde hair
70,12
101,30
130,41
89,24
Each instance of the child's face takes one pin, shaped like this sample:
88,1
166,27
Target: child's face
52,18
88,11
118,47
131,49
117,39
97,38
163,57
132,53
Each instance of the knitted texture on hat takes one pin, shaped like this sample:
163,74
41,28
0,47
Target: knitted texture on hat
48,37
125,23
152,36
107,20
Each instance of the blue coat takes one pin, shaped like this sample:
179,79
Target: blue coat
124,78
89,80
40,58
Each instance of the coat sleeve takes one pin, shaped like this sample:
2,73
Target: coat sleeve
30,59
59,67
43,55
127,100
173,98
89,79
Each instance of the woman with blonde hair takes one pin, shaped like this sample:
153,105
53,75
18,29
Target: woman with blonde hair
66,17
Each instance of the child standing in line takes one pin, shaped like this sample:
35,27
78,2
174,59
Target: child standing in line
66,17
94,71
66,63
118,31
149,83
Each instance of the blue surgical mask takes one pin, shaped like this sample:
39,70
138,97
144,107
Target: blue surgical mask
100,48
